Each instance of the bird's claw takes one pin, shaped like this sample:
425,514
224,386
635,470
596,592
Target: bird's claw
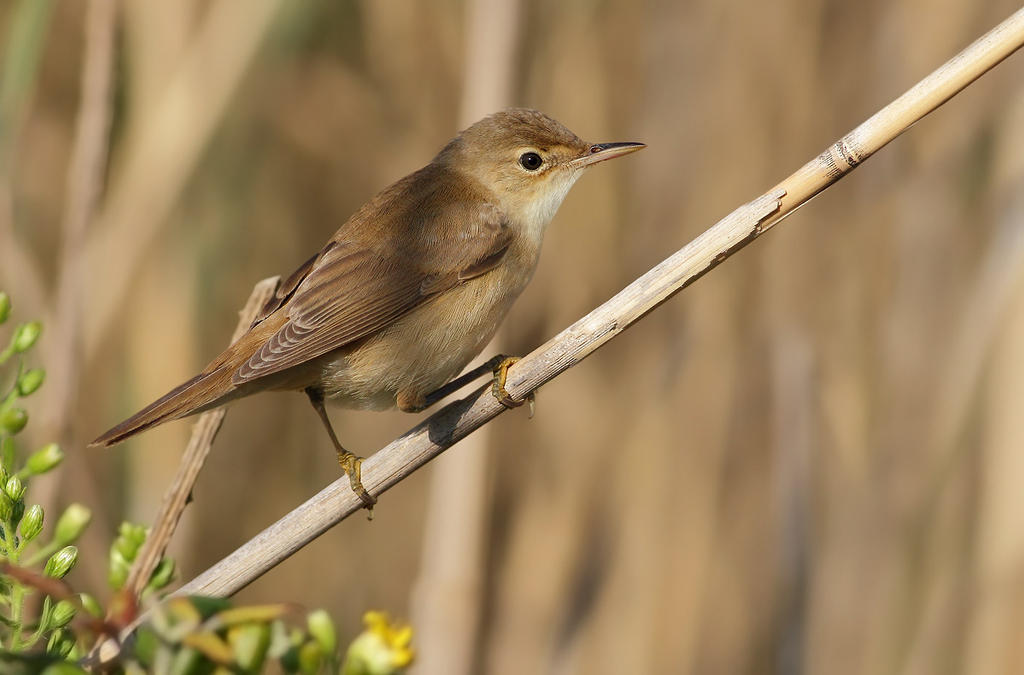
351,465
500,366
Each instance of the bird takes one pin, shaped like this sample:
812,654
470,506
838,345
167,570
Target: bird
409,290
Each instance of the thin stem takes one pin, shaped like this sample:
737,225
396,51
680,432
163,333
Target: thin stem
42,554
17,589
85,183
17,602
11,396
37,634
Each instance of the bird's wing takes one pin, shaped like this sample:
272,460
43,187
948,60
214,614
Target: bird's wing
354,289
285,290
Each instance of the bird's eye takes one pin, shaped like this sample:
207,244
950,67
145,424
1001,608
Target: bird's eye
530,161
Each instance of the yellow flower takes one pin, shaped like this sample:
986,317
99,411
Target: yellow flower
384,648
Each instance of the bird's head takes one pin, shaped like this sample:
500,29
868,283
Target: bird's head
527,161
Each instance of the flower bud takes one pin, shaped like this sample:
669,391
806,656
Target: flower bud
26,335
5,306
44,459
130,538
322,629
30,381
90,605
71,524
17,511
61,562
14,488
32,523
60,644
62,615
125,548
117,575
6,507
13,420
122,554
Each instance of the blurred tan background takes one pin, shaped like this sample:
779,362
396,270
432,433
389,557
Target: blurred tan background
810,461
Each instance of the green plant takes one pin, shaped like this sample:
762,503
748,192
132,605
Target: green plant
203,635
21,523
186,636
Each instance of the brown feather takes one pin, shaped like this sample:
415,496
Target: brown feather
359,284
210,388
366,277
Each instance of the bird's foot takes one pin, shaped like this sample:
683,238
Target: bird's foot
499,366
351,465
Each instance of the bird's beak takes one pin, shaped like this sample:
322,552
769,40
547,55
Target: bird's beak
602,151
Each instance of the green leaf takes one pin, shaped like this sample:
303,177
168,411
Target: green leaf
162,575
146,645
211,646
250,613
206,606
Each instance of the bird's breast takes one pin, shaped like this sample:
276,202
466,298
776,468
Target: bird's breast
431,344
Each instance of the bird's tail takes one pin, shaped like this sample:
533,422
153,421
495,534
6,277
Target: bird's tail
206,390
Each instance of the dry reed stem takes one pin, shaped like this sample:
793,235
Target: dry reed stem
62,343
447,594
85,183
878,130
25,42
161,152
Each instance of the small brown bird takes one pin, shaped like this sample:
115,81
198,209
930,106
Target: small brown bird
410,289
